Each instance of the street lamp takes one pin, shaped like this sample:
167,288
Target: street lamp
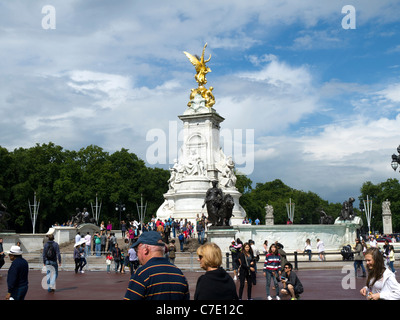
368,213
396,159
120,207
34,210
142,211
290,210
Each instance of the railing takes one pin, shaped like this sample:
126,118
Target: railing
296,258
184,260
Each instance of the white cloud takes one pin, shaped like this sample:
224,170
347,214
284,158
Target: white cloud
308,40
392,92
111,71
339,142
276,95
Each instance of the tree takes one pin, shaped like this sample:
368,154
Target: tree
378,193
277,194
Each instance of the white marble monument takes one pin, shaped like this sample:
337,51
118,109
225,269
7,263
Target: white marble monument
387,217
201,160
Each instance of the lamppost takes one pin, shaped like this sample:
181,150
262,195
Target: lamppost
120,207
34,210
368,212
97,210
290,210
142,211
396,159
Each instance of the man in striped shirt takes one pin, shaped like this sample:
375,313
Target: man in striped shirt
157,278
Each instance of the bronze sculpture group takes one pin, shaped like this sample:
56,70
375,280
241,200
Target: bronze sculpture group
219,206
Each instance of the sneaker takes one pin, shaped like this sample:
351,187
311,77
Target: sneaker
278,298
293,299
234,278
269,298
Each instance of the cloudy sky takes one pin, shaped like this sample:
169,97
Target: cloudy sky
312,88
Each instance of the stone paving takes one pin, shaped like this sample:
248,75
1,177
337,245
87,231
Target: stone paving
319,284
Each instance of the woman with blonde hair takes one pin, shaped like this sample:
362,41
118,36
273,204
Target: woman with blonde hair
216,283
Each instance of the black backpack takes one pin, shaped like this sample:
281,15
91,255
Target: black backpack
51,252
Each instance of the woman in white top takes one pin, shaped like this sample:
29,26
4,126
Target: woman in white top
321,250
307,248
381,282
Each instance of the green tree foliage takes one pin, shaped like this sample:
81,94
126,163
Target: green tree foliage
378,193
307,204
64,180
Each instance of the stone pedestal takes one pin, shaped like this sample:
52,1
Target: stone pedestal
387,217
269,215
201,161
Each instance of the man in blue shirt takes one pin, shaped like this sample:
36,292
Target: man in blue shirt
157,278
17,277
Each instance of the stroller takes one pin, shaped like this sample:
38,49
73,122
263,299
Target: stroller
346,253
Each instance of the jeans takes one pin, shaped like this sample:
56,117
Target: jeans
52,273
391,266
78,262
98,249
358,263
116,263
19,293
82,264
87,250
243,278
269,275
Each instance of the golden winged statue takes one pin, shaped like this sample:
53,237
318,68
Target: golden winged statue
201,71
200,65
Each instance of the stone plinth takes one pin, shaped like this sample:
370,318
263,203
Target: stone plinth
201,161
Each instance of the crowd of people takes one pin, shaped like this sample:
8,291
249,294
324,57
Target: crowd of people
150,256
276,269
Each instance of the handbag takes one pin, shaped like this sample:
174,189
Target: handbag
252,274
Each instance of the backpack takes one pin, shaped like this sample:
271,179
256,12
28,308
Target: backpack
51,252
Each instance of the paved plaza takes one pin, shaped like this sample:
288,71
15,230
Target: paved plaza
319,284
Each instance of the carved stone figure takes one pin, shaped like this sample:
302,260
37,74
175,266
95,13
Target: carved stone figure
228,178
195,165
269,215
386,207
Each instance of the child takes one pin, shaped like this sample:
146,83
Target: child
181,238
109,259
